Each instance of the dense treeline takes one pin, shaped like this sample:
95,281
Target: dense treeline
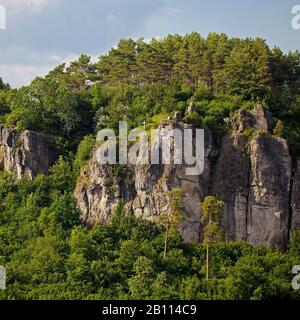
138,80
50,254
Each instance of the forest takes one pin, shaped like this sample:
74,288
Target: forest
48,251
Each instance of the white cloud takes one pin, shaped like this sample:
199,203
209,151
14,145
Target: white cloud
34,5
18,75
161,21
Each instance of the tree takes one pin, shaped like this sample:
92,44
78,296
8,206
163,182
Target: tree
63,213
44,106
189,59
171,220
140,284
57,74
84,152
154,64
246,71
120,64
294,245
3,86
279,129
80,74
211,215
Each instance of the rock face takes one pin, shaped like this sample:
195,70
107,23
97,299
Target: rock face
268,206
144,190
258,119
295,200
231,185
25,153
252,176
253,179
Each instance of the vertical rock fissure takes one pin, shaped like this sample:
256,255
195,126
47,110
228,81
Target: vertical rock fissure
294,170
252,174
247,199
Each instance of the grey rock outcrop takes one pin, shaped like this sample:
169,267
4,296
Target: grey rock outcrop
268,206
25,153
99,192
253,179
144,190
231,185
253,175
258,118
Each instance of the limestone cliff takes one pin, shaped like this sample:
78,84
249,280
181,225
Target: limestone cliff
250,169
252,176
25,153
143,188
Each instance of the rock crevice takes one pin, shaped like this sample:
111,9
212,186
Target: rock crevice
257,195
253,177
25,153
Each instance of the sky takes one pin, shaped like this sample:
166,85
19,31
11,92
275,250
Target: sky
41,34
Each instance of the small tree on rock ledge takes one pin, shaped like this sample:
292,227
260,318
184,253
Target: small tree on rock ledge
212,211
171,220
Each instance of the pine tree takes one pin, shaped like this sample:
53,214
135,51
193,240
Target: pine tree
119,66
80,73
246,71
211,216
171,220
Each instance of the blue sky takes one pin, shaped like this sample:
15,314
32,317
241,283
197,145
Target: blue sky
43,33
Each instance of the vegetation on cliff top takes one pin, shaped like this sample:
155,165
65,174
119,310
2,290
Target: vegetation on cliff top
138,80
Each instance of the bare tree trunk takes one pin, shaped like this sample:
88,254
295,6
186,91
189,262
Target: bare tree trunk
207,262
166,242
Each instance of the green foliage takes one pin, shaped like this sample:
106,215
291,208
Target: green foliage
50,254
139,80
250,133
194,118
43,106
84,152
48,107
4,106
171,220
212,211
140,283
246,71
3,86
295,242
279,129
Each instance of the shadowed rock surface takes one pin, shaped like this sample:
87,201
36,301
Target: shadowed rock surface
25,153
253,179
252,176
143,189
